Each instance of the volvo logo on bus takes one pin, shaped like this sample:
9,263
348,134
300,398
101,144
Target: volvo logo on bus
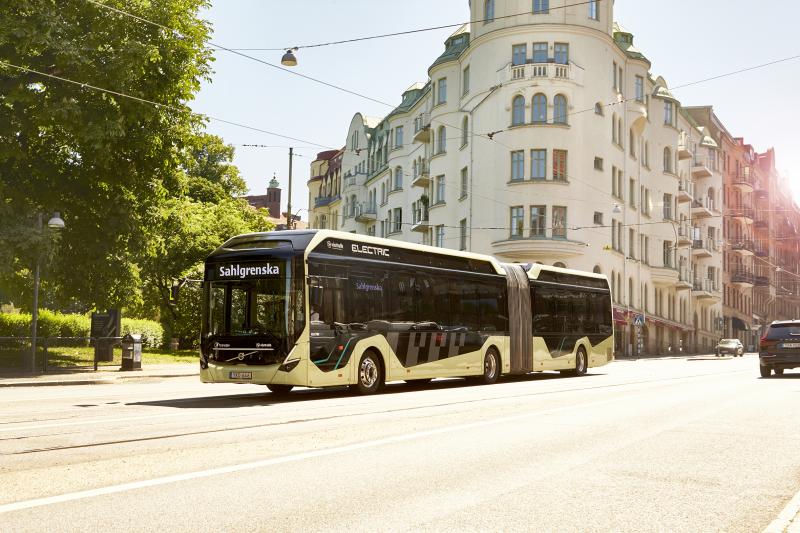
370,250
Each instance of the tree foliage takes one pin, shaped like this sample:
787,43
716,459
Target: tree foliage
144,191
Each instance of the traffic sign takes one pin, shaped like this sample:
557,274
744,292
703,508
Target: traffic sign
638,320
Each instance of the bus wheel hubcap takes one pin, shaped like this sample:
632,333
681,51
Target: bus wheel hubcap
369,372
490,366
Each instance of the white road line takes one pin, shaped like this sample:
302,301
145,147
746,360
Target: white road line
113,489
786,517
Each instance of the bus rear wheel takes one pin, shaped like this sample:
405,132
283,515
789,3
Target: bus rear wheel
581,363
280,390
491,367
370,374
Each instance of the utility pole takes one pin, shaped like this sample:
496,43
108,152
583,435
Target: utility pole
289,217
35,310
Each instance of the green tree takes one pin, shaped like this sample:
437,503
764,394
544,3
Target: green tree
106,162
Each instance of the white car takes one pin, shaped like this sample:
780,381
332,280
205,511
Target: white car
731,346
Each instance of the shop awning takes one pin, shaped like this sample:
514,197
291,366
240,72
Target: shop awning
738,324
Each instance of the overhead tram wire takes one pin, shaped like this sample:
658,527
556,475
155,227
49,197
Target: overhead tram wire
236,52
159,105
409,32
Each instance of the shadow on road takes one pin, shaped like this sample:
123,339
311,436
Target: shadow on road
307,395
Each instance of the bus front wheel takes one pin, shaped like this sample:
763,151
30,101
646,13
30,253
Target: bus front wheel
581,363
280,390
370,374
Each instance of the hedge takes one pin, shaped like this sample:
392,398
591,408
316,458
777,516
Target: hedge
53,324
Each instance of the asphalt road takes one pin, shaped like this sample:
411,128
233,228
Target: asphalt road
656,445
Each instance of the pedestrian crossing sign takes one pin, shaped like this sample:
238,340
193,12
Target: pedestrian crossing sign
638,320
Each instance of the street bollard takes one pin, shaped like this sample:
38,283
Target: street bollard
131,352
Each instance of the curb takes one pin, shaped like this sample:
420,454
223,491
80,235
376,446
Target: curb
788,519
92,381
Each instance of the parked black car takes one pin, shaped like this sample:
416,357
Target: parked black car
779,349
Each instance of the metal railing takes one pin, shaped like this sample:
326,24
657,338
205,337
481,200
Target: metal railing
57,353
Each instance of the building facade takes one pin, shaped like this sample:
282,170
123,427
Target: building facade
545,137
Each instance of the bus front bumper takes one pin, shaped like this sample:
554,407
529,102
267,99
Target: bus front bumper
292,372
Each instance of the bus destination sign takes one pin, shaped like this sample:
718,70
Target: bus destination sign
248,271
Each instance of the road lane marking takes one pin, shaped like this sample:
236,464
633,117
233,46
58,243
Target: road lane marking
786,518
125,487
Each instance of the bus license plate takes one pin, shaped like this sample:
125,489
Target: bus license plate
241,375
790,345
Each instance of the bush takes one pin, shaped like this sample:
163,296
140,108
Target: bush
53,324
152,333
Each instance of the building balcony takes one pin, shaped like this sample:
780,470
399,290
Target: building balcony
706,290
322,201
701,168
701,249
366,212
666,275
746,248
685,191
422,128
538,71
743,180
420,219
684,152
703,208
684,282
423,175
743,279
761,281
742,214
534,249
684,236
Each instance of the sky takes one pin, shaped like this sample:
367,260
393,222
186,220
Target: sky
691,40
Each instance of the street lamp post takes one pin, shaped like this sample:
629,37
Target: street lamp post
56,222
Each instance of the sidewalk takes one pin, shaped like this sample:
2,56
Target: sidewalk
105,376
686,356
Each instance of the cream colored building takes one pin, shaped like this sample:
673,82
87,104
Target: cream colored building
544,137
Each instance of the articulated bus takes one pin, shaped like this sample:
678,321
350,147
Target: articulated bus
321,308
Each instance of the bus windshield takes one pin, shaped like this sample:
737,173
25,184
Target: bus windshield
260,300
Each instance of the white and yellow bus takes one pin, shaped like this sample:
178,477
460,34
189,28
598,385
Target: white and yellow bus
330,309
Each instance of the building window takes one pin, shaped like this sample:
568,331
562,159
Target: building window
462,241
631,243
559,165
517,222
667,160
669,113
560,109
488,11
559,222
561,53
398,137
598,218
465,80
441,95
538,221
540,52
632,192
594,14
614,73
640,89
667,254
632,144
440,236
440,189
464,182
519,54
538,164
517,165
441,147
541,7
397,220
398,178
598,165
464,132
667,207
539,108
518,110
598,109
